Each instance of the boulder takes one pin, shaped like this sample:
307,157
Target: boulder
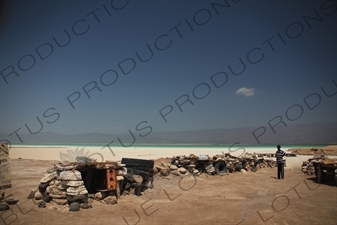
46,197
175,172
182,170
110,200
65,167
100,195
74,207
64,196
58,192
42,187
48,177
77,198
165,172
138,179
123,171
72,183
38,195
165,164
41,204
81,190
85,205
49,189
73,175
31,194
4,206
210,169
59,201
173,167
243,171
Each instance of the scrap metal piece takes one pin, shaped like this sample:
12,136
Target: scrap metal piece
111,179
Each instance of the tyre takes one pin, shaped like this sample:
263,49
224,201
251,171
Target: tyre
134,165
220,168
140,167
143,162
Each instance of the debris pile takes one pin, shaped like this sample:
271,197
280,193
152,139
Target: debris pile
309,166
76,185
218,164
138,175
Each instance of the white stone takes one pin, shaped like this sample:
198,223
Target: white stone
182,170
38,195
173,167
73,183
48,177
243,171
122,171
81,190
70,175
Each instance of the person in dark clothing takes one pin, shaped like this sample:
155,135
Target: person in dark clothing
280,162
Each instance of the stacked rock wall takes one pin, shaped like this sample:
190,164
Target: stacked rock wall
218,164
62,185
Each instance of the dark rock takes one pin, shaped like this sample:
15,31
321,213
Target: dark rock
86,205
41,204
60,201
129,177
4,206
127,186
110,200
31,195
77,198
46,197
43,186
74,207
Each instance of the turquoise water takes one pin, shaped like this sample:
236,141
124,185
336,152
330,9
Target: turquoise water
226,146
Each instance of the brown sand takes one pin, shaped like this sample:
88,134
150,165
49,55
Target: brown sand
240,198
330,150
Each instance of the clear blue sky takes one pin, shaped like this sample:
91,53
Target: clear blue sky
291,57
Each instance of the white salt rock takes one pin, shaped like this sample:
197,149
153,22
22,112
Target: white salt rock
70,175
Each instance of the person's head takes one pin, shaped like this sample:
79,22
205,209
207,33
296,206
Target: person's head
278,147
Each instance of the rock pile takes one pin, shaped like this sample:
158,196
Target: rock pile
308,167
63,185
218,164
76,185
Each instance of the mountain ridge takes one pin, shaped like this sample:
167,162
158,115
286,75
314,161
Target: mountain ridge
318,133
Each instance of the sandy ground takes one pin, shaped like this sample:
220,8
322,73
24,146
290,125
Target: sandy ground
239,198
330,150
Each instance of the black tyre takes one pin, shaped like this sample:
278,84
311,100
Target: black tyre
143,162
140,167
220,168
134,165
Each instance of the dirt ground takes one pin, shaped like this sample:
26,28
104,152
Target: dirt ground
330,150
238,198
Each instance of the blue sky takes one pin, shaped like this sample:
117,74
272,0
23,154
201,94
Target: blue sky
291,57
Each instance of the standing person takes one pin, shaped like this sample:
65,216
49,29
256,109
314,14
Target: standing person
280,163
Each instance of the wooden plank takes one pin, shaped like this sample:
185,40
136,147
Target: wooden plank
5,174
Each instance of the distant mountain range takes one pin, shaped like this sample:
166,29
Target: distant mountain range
318,133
